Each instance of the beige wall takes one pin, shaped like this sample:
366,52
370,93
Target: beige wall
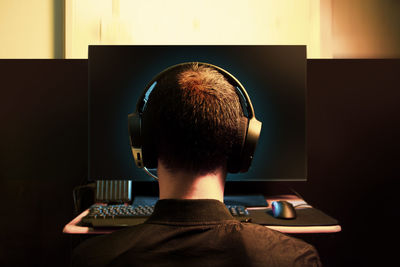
233,22
348,28
31,28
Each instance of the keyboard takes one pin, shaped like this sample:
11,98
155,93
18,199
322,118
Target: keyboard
128,215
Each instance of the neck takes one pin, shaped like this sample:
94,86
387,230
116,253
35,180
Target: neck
184,185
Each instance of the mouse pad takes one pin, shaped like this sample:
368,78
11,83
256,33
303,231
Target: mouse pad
305,217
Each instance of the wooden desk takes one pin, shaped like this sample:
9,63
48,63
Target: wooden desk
73,226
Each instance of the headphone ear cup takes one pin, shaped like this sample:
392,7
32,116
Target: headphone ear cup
149,147
142,142
250,144
234,160
135,138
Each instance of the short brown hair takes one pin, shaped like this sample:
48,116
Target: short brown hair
194,113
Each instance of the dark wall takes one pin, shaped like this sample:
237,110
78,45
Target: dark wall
43,155
353,131
353,143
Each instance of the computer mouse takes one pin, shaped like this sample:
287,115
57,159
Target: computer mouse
283,210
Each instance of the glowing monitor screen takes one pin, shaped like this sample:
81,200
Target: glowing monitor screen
273,76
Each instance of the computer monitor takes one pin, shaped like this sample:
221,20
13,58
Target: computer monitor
273,76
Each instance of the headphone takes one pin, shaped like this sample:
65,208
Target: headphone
249,127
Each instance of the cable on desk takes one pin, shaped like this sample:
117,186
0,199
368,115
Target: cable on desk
296,193
305,204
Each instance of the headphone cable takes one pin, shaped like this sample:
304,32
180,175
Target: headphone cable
149,173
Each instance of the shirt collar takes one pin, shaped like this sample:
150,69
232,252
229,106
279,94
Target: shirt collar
189,211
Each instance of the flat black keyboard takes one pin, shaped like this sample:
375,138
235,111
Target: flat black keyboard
127,215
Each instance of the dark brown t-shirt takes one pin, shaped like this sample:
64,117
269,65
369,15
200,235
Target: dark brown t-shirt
194,233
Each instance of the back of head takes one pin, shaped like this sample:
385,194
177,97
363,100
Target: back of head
192,119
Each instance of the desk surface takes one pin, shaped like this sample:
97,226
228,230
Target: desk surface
73,226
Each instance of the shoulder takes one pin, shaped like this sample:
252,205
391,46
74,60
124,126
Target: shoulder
270,245
100,250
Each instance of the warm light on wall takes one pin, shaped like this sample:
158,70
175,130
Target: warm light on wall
285,22
329,28
27,29
366,29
